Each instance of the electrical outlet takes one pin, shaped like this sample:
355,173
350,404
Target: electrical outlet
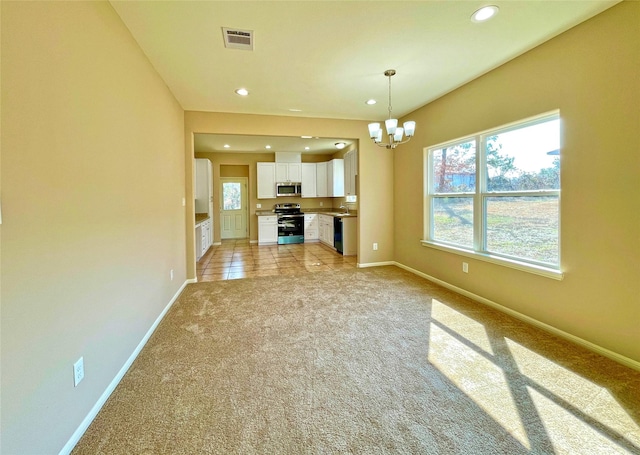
465,267
258,206
171,274
321,203
375,247
78,371
184,202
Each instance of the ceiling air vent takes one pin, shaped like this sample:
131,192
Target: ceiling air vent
238,39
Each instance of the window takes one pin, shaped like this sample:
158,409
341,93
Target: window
232,196
496,195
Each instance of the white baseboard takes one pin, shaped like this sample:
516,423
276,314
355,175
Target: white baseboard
626,361
375,264
75,437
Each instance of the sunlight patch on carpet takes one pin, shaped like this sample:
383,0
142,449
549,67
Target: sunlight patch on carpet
470,329
478,377
572,433
564,398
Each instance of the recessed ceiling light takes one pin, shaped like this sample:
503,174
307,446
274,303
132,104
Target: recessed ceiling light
242,92
307,148
371,102
267,147
295,110
340,145
485,13
226,146
306,137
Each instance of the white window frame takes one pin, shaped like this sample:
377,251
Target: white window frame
480,196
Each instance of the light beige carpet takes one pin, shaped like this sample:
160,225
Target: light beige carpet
366,361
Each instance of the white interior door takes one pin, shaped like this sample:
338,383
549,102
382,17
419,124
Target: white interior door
233,208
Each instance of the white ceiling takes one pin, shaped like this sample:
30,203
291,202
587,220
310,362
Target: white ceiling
257,144
326,58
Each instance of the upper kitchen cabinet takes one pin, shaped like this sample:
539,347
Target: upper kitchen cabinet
335,178
321,180
288,172
350,172
330,178
266,177
203,186
309,180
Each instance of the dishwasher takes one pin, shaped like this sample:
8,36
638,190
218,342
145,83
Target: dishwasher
337,234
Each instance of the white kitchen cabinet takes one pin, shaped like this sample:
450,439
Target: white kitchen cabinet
335,178
325,226
198,242
203,187
288,172
267,229
311,227
204,237
350,172
321,180
322,232
207,235
309,180
266,180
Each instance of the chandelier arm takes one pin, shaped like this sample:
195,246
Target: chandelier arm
383,144
404,142
391,143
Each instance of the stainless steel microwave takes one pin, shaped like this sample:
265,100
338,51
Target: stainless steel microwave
289,189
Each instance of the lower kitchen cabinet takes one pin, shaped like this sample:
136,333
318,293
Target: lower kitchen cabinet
311,227
325,226
204,237
267,229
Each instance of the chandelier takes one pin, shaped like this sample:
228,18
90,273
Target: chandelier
394,132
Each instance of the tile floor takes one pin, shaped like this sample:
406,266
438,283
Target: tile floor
235,259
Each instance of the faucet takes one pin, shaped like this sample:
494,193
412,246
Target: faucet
345,207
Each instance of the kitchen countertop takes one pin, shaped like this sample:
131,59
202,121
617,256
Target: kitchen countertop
320,210
342,215
200,217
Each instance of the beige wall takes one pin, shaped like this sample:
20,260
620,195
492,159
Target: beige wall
591,73
232,170
375,165
92,187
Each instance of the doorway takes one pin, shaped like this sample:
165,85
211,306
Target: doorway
233,208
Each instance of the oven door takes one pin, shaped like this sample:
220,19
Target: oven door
290,228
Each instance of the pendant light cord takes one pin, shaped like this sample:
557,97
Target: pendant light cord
390,95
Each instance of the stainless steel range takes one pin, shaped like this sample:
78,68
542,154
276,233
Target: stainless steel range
290,223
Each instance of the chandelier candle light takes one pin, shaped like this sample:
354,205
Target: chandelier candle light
393,131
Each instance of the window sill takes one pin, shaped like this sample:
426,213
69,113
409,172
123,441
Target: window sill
523,266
